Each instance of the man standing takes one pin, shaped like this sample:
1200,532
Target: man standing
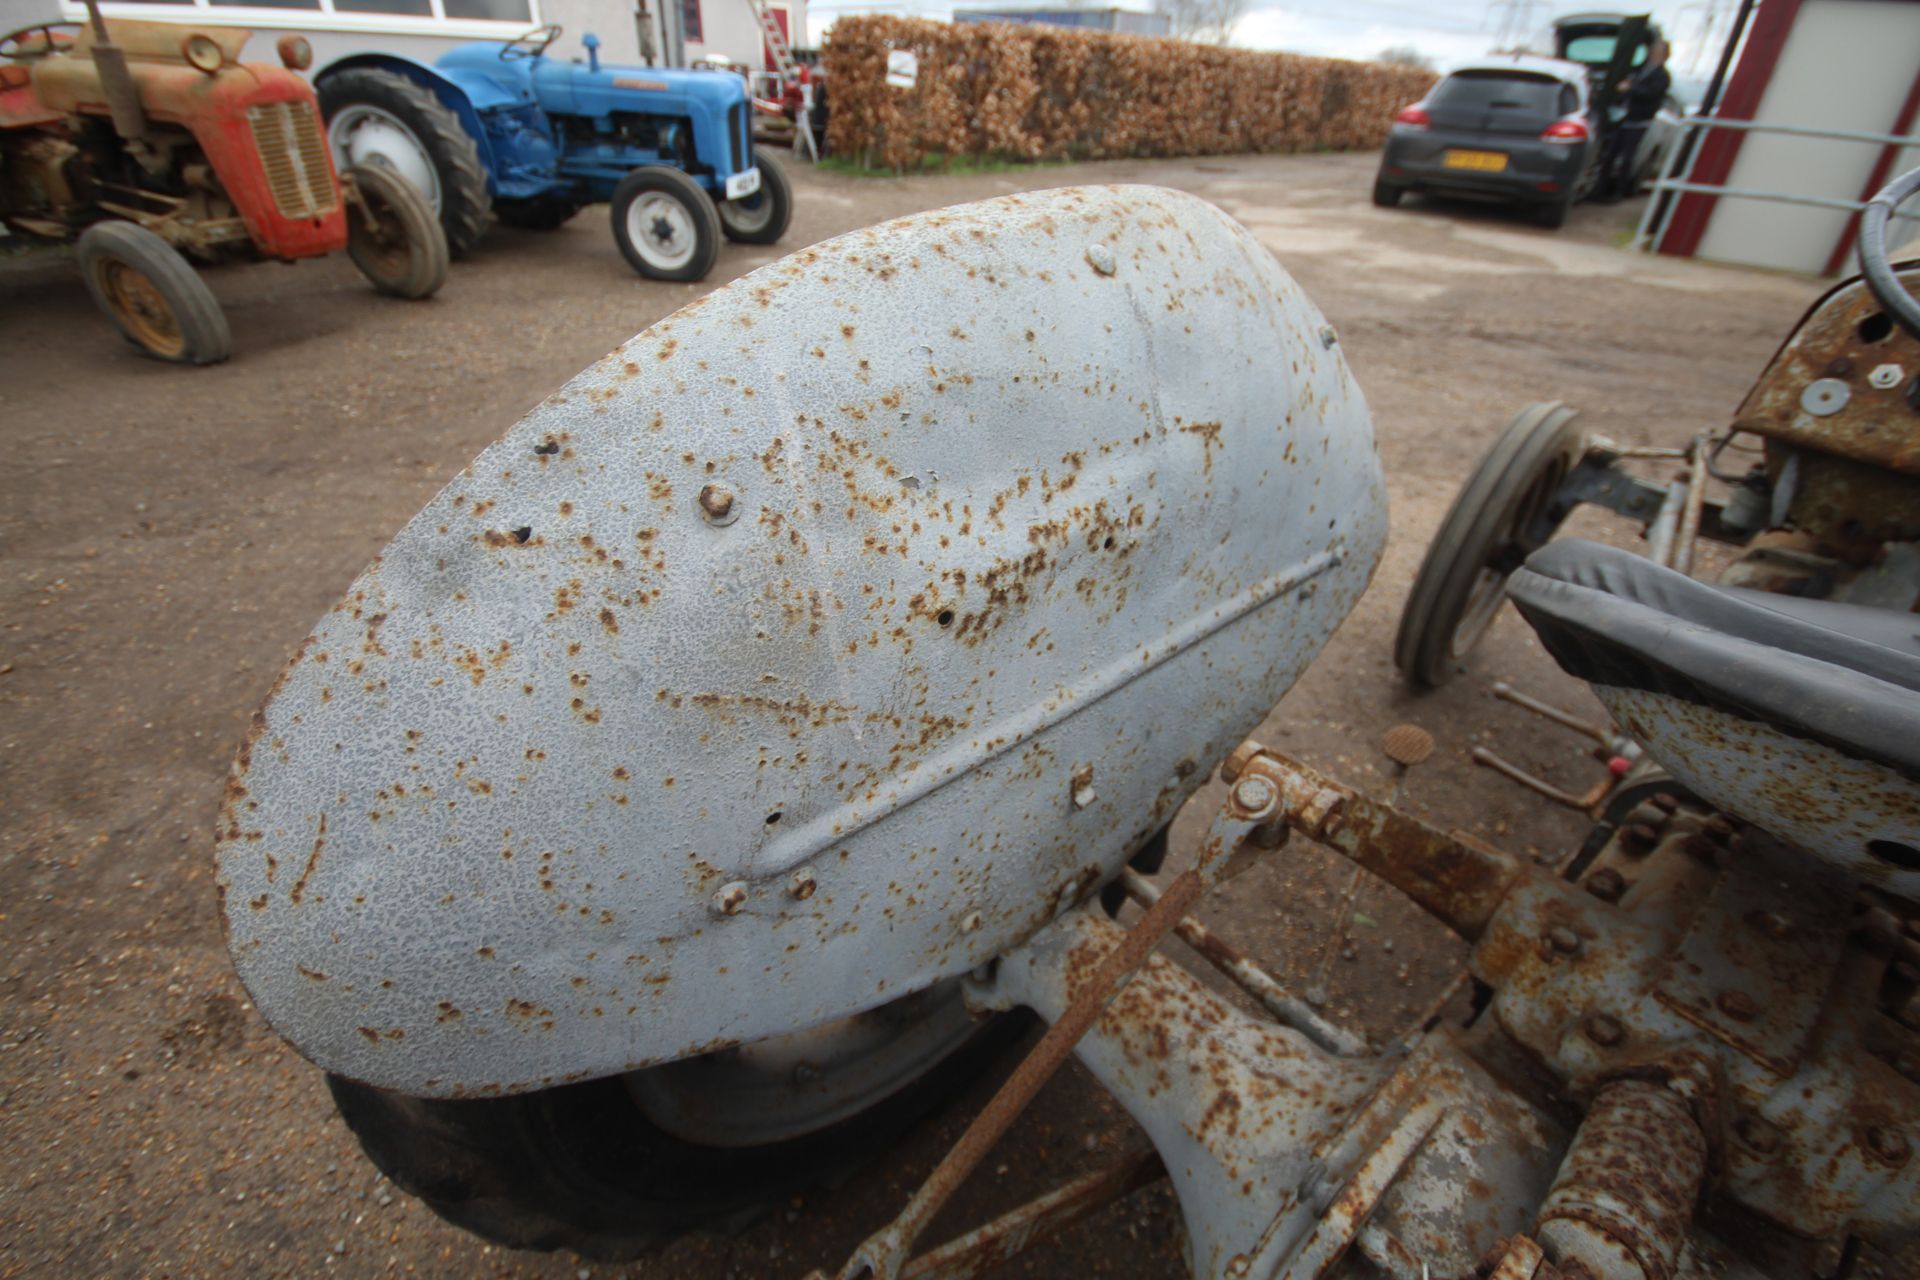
1641,95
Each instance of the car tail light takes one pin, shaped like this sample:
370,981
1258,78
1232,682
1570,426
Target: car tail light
1568,131
1415,115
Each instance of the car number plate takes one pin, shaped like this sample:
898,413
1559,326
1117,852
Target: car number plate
1484,161
747,181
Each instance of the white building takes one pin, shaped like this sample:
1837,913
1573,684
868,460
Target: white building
426,28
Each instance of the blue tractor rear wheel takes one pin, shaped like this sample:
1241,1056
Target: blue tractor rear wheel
665,224
762,217
379,118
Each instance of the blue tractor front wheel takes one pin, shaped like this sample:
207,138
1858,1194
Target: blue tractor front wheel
665,224
762,217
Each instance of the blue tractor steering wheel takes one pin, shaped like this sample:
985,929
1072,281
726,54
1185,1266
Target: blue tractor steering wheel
531,45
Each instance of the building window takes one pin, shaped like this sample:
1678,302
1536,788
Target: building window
690,21
386,15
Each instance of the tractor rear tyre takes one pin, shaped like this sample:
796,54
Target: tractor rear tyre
378,117
762,217
392,235
665,224
1505,512
160,303
583,1167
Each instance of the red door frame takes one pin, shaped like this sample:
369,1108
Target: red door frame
1882,166
1772,22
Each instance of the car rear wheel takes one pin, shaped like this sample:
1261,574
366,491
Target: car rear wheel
1387,195
762,217
392,236
379,118
1505,511
614,1168
1553,216
157,299
665,224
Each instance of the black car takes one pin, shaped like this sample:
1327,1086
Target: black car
1513,127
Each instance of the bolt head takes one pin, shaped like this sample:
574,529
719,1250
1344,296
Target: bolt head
1563,940
1100,258
1255,795
1607,884
801,884
1889,1144
729,899
970,923
1886,375
1757,1134
1603,1029
1239,1265
1737,1005
717,504
1236,762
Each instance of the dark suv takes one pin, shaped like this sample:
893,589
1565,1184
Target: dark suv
1513,127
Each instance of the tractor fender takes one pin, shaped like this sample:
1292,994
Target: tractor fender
825,640
465,96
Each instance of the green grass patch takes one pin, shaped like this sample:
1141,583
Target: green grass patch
937,163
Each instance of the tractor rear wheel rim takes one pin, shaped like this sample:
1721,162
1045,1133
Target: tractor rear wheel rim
141,308
363,134
662,231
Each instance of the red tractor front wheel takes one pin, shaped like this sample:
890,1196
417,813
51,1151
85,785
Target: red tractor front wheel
159,302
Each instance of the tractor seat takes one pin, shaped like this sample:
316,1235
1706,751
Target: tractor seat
1800,716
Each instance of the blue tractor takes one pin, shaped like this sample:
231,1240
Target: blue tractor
502,131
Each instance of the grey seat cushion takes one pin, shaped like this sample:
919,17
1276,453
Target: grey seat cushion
1844,675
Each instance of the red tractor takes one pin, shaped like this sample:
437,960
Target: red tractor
156,144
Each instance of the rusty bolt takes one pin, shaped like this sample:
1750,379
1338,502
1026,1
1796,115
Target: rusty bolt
1888,1144
716,501
730,898
1839,367
1720,827
1100,257
1607,884
1563,940
1603,1030
970,922
1236,761
1256,795
1665,801
1080,788
1737,1005
801,884
1239,1265
1757,1134
1638,838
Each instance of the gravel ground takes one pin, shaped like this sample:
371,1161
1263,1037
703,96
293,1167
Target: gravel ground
170,535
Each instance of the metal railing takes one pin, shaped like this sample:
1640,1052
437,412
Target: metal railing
1658,215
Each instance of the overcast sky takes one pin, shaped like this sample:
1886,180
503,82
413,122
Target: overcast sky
1447,31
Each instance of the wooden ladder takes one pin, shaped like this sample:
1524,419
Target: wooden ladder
776,41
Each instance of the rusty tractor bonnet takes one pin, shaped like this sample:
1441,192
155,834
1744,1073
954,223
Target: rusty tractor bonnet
828,638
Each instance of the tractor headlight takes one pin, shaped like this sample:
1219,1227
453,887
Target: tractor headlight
202,52
295,53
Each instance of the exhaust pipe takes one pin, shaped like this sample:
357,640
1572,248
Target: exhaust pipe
123,97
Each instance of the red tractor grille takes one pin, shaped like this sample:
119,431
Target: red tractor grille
294,154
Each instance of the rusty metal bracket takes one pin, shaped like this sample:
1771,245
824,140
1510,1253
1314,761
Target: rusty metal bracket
1453,876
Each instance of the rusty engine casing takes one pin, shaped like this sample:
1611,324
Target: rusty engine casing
828,638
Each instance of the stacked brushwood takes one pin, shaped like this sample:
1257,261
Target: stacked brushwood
1019,92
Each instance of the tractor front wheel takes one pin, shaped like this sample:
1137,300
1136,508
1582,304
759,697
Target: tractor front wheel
762,217
665,225
392,235
160,303
379,118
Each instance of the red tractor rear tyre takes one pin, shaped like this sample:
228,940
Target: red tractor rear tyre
159,302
